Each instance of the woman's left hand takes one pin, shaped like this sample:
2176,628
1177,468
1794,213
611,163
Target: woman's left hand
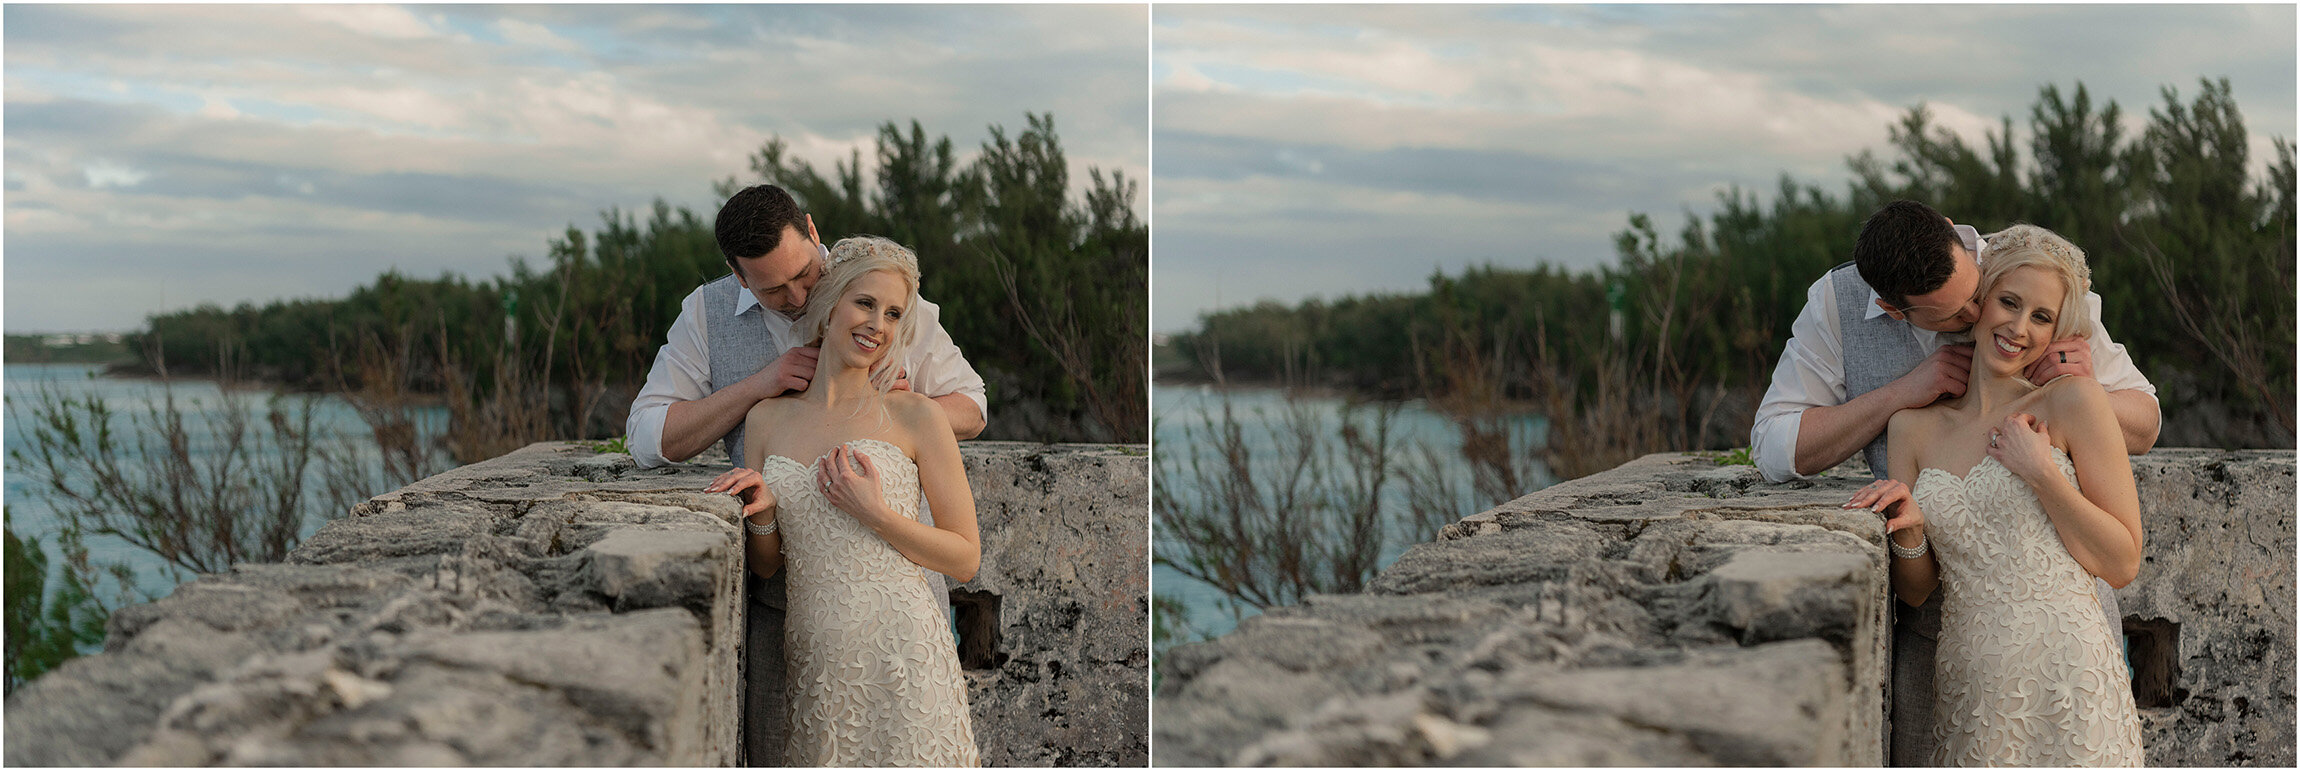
2021,444
854,492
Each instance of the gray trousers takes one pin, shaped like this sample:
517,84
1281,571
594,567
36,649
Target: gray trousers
766,708
1916,632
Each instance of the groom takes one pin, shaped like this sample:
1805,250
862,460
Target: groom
1887,332
734,345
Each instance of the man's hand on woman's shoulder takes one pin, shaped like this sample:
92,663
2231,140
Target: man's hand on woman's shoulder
790,372
2064,357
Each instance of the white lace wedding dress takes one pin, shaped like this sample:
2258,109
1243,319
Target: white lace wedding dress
873,671
2028,672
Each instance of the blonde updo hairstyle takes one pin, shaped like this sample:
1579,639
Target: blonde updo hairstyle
853,258
2029,246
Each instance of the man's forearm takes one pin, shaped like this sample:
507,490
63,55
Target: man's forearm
1826,436
965,417
2138,419
692,427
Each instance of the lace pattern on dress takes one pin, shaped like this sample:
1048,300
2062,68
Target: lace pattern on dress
2028,672
874,677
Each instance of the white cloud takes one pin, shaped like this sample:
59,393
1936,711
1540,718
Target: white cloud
104,173
1184,77
387,22
517,32
217,108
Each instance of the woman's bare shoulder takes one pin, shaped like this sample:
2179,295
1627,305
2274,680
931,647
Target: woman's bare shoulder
920,417
2072,395
769,409
1919,422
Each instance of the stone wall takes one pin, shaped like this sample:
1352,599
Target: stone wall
1668,612
1675,612
1065,552
559,607
2212,610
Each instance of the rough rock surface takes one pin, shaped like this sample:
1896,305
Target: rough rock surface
1672,612
1065,539
548,607
559,607
2217,561
1668,612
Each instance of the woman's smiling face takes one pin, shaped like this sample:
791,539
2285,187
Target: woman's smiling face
866,317
2019,316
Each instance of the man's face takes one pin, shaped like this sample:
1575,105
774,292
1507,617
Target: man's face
1954,306
782,278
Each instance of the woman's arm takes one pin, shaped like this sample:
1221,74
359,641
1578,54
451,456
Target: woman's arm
764,553
2099,524
951,546
1914,579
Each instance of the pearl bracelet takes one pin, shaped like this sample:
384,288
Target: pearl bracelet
1924,544
766,529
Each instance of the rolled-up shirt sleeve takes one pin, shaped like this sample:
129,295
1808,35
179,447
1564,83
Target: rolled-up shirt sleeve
938,368
1810,374
681,373
2111,364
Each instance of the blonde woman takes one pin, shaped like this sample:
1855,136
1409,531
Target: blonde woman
873,670
2009,499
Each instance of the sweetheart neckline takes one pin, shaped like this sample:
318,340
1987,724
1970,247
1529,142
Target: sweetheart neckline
1985,458
834,448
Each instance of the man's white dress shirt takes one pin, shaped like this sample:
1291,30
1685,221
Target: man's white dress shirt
682,370
1811,373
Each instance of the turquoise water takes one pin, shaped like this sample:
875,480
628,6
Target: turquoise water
1181,414
131,402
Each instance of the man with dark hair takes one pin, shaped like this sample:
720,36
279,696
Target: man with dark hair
1907,298
734,345
1887,332
1907,249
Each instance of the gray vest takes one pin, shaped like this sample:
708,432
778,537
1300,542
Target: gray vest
1877,350
741,345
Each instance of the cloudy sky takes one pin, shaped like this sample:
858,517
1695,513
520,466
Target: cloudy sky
1306,150
164,156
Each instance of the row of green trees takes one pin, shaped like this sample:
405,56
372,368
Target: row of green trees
2192,252
1042,289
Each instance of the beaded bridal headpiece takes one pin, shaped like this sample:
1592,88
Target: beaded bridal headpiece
848,260
2030,246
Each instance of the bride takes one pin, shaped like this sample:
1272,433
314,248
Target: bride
873,669
2028,671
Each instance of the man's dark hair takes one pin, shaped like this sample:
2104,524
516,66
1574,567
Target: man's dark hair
1905,249
751,223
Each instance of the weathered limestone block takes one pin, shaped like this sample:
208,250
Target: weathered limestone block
1065,572
499,613
1668,612
2217,547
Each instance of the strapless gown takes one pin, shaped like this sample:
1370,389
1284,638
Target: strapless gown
873,670
2028,672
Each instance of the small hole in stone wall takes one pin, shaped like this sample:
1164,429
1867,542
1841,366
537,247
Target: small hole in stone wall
976,616
2152,648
